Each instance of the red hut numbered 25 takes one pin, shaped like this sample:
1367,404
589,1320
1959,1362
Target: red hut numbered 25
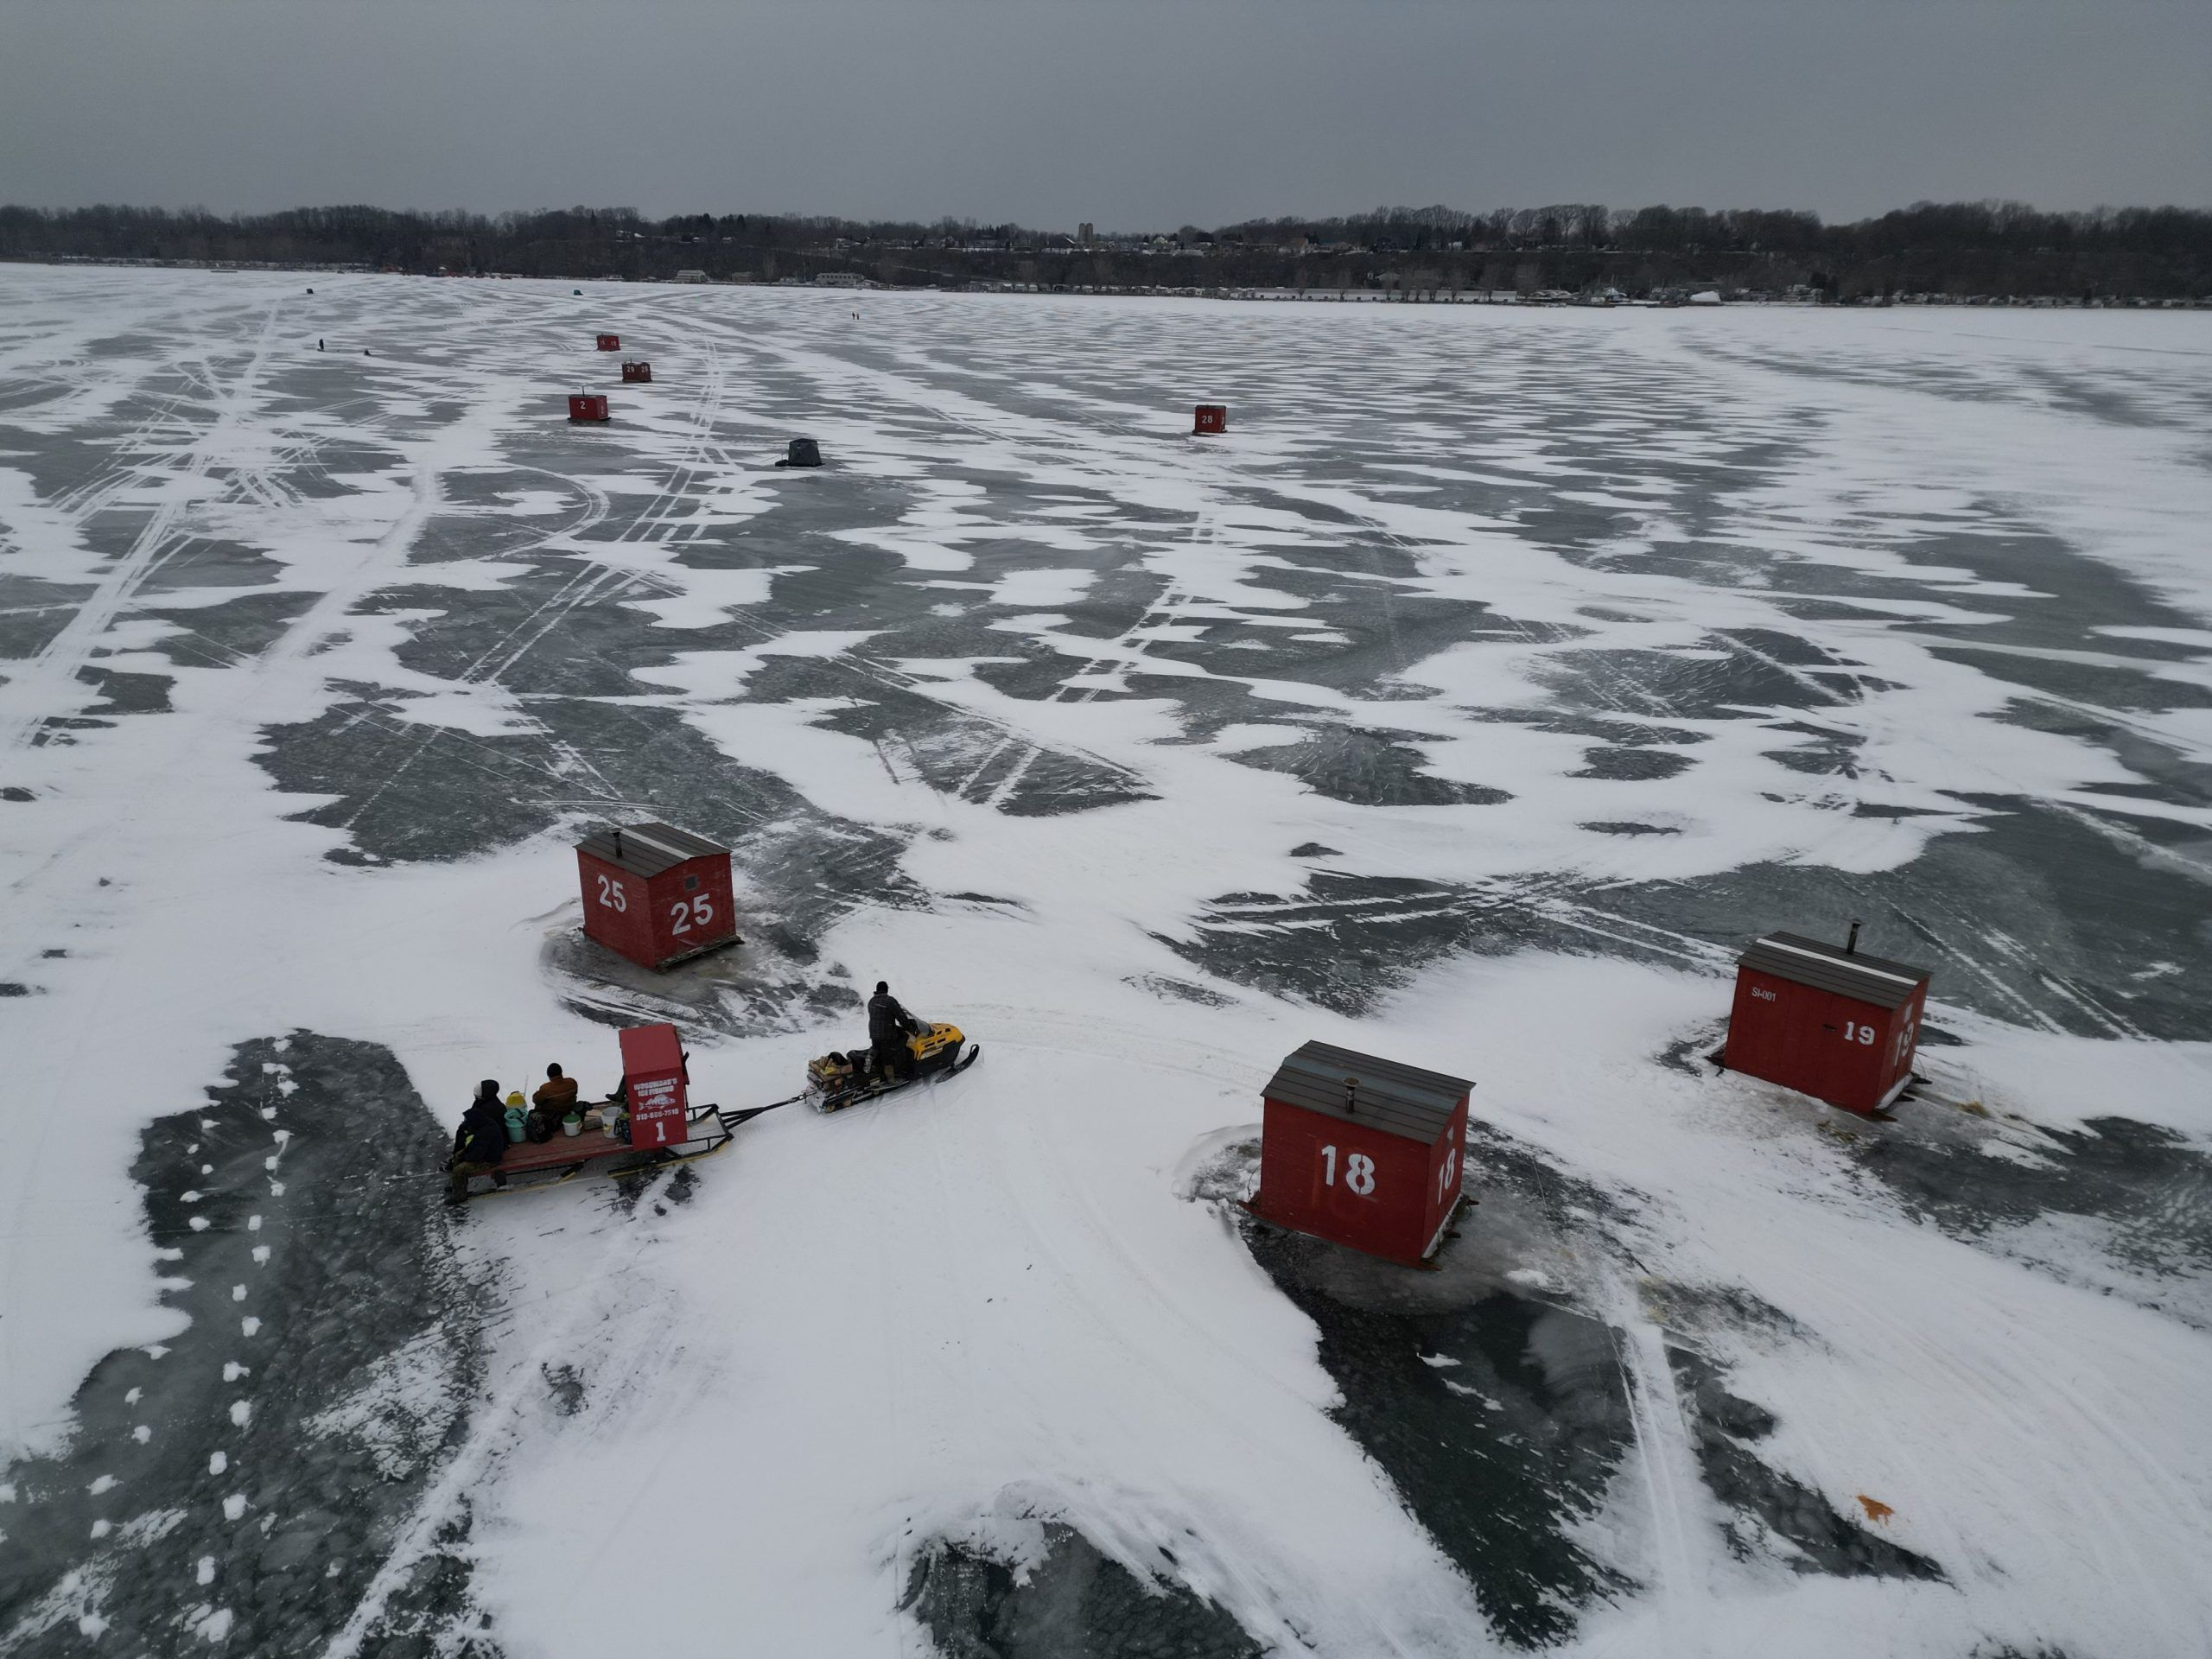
655,893
1825,1020
1363,1151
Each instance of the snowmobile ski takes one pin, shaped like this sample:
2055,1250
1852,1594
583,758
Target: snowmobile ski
842,1080
871,1091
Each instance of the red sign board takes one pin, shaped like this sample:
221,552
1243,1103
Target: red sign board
653,1081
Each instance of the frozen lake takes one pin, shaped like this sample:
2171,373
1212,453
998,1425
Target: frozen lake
1474,699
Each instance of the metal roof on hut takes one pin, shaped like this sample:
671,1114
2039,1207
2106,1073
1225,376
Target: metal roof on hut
646,849
1342,1083
1833,968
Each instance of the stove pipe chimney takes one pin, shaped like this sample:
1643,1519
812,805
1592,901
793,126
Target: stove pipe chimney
1851,944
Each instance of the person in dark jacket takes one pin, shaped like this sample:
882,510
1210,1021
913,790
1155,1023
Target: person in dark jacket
887,1025
480,1141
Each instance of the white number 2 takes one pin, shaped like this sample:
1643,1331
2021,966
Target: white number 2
684,913
1359,1171
611,894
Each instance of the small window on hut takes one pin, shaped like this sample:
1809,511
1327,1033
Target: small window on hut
690,884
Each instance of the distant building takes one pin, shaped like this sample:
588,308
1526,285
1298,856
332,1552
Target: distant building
1086,233
690,275
840,279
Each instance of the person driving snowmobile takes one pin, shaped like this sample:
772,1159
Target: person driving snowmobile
888,1025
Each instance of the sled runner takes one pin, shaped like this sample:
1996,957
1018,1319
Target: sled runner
589,1155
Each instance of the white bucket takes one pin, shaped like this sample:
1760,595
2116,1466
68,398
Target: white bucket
572,1126
611,1122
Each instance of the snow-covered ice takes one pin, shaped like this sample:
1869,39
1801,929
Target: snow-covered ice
1471,701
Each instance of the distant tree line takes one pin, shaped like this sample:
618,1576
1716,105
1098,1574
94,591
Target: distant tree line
1960,248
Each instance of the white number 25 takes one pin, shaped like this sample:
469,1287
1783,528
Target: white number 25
686,913
611,894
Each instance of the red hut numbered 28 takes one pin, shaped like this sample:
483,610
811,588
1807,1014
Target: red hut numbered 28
1363,1151
655,893
1825,1020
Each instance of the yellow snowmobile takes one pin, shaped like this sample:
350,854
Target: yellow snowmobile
839,1079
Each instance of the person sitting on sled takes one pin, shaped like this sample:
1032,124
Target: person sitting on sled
480,1141
887,1026
556,1096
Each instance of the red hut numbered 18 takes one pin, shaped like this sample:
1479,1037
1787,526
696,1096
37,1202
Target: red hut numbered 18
655,893
1363,1151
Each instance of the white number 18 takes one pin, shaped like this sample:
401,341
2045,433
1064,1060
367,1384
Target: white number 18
1359,1171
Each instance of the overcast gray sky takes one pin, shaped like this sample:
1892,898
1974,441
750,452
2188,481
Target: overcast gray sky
1127,112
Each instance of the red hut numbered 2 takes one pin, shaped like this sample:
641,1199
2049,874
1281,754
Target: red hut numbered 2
655,893
1363,1151
654,1086
588,406
1825,1020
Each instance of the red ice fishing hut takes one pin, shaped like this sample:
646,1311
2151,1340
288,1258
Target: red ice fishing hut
655,1086
635,372
655,893
1212,420
1363,1151
609,342
588,406
1825,1020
